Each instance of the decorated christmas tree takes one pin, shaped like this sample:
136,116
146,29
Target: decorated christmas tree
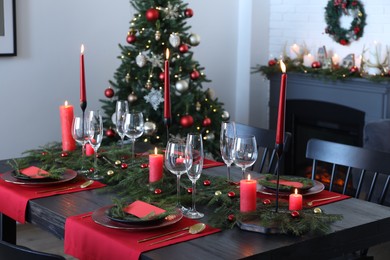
159,34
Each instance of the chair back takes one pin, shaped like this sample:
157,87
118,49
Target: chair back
354,171
10,251
267,161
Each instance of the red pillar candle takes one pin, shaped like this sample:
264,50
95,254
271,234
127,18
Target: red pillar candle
83,93
167,100
282,105
155,166
89,150
295,201
248,195
66,118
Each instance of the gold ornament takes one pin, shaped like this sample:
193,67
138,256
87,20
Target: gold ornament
127,78
218,193
317,211
198,106
148,85
110,172
132,97
118,162
157,35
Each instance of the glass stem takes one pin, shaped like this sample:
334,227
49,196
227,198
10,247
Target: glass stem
193,195
95,160
132,150
243,173
178,204
82,155
228,172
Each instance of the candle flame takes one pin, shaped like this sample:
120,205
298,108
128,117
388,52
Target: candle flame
167,54
82,48
155,150
249,177
283,66
296,191
66,103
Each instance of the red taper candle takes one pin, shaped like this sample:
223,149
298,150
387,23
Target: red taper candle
83,94
282,105
167,100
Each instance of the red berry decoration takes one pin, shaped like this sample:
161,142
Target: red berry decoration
231,217
124,166
343,42
188,12
186,121
109,92
183,48
189,190
267,202
161,76
144,165
152,15
206,122
195,75
64,154
206,182
354,69
231,194
157,191
294,214
110,132
271,63
316,65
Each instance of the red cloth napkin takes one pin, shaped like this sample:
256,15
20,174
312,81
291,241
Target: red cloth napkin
86,239
14,197
207,163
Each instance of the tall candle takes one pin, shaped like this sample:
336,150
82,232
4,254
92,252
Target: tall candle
83,94
308,60
167,99
155,166
282,105
66,118
248,195
295,201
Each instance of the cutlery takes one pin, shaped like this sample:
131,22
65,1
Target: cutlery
162,235
84,185
194,229
310,203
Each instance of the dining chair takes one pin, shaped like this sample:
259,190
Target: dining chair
267,161
10,251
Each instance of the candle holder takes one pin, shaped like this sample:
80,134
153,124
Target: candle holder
279,154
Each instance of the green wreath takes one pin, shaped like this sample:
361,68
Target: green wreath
334,10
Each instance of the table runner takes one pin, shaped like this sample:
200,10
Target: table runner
86,239
207,163
14,197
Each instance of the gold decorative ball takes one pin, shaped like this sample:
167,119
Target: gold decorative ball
317,211
110,172
218,193
118,162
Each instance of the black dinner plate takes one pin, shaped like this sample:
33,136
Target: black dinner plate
66,176
286,182
134,220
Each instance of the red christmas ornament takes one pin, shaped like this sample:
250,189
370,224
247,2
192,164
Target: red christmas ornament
144,165
109,92
231,217
110,133
64,154
294,214
206,182
157,191
231,194
188,12
44,153
195,75
131,38
152,15
189,190
316,65
356,30
124,166
343,42
354,69
206,122
91,170
183,48
267,202
161,76
186,121
272,62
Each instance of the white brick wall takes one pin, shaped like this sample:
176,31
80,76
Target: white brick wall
303,22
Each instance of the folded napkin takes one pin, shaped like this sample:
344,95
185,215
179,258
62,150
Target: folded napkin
142,209
34,172
85,239
14,197
207,163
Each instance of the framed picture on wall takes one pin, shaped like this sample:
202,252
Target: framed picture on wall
7,28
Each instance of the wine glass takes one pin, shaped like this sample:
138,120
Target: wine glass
133,127
245,152
174,161
80,135
194,163
121,109
226,142
95,133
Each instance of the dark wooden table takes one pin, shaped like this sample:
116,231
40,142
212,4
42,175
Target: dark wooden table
365,224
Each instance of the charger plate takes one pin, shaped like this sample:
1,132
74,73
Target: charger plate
11,178
317,188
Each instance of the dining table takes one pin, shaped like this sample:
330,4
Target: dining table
364,224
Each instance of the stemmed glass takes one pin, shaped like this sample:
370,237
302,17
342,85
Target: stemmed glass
95,133
133,127
121,109
194,163
80,134
226,142
174,161
245,152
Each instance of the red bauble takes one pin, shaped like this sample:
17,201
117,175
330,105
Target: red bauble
110,132
354,69
144,165
183,48
206,122
44,153
272,62
343,42
131,38
316,65
294,214
152,15
188,12
64,154
161,76
109,92
157,191
186,121
189,190
231,194
206,182
267,202
195,75
231,217
124,166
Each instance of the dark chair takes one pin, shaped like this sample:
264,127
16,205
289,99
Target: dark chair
14,252
265,139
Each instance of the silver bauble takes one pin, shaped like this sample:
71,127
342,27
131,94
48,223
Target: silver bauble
225,115
140,60
194,39
150,128
132,97
174,40
181,86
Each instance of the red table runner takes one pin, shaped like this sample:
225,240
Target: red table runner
14,197
86,239
207,163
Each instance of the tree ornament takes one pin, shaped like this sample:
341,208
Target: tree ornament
172,11
144,165
157,61
181,86
206,182
110,172
127,77
231,194
194,39
91,170
206,122
64,154
132,97
174,40
157,35
195,74
316,65
188,12
333,12
150,128
267,202
155,98
218,193
118,162
231,217
109,92
157,191
317,211
131,38
148,85
152,14
294,214
44,153
124,166
161,76
140,60
110,132
189,190
198,106
183,48
272,62
225,115
354,69
186,121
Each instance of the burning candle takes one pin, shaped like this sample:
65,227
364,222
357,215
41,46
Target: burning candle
294,51
167,100
295,201
155,166
282,105
248,195
83,94
308,60
89,150
66,118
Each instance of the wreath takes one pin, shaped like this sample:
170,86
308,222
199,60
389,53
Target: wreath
334,10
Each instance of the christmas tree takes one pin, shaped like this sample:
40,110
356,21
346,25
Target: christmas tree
158,26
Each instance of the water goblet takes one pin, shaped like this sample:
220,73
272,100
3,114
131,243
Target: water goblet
121,109
226,143
80,135
133,127
174,161
194,159
245,152
95,133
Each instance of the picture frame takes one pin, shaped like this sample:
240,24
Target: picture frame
7,28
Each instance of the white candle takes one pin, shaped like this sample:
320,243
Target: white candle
294,51
335,59
308,60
